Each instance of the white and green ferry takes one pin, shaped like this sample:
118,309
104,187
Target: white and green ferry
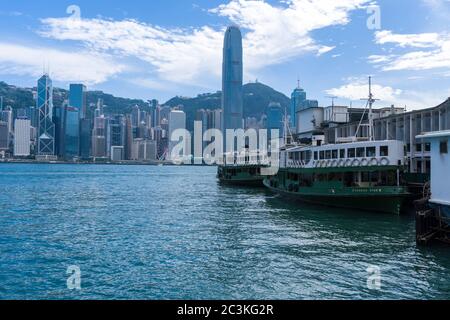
360,175
242,169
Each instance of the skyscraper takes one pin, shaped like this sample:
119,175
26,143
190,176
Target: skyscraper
72,133
46,132
299,102
99,137
22,137
177,120
275,118
4,136
85,138
77,99
232,75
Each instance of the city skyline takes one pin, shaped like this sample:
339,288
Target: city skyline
328,46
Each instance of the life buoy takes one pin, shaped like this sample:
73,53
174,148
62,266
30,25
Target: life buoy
364,162
384,161
348,163
334,163
341,163
374,162
356,163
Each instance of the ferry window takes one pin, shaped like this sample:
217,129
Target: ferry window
316,156
371,152
444,147
328,154
419,147
291,156
322,155
351,153
408,147
360,152
427,147
384,151
334,154
308,156
342,153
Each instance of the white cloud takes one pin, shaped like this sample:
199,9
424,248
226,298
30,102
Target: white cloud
358,90
412,99
420,40
272,34
86,67
430,51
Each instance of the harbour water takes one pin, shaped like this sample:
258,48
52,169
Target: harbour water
143,232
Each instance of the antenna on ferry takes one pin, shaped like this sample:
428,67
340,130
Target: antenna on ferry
370,102
285,126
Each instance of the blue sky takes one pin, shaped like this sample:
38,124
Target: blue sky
159,49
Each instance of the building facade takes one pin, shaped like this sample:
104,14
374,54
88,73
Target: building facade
22,137
46,132
232,79
72,133
177,120
78,99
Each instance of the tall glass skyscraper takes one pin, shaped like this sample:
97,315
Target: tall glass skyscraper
298,99
72,133
77,99
299,102
74,112
46,132
232,78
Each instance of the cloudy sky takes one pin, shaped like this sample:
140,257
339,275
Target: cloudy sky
160,49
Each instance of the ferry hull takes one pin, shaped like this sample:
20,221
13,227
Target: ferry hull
248,176
383,203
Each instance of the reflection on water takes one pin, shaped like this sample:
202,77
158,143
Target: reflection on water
174,233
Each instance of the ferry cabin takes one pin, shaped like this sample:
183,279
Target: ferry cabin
364,164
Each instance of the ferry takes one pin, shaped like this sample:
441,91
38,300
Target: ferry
355,174
242,169
363,175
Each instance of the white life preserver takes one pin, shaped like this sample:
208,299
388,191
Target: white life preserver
374,162
356,163
384,161
364,162
348,163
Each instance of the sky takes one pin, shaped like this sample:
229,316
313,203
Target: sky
161,49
